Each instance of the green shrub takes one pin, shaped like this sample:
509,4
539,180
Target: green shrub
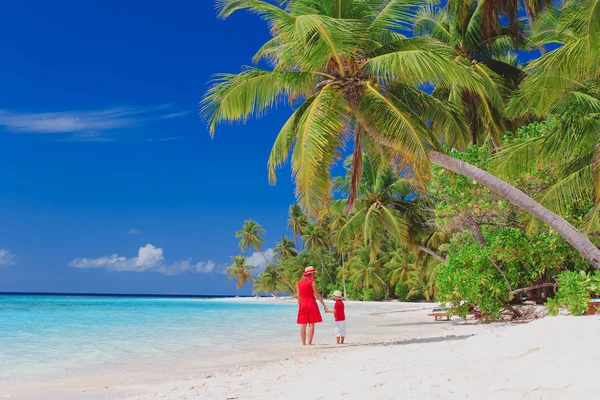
575,290
401,291
370,295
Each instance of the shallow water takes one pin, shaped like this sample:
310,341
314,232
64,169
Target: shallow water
43,337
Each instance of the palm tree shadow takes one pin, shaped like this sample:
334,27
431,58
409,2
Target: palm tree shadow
437,339
411,324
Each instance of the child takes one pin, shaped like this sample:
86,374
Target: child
339,316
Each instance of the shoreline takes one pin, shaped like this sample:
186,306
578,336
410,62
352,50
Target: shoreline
538,360
402,353
368,326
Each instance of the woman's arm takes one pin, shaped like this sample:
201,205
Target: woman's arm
298,293
318,295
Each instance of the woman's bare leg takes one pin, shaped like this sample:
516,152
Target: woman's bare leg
303,334
311,333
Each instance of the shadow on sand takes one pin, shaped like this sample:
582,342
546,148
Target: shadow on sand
437,339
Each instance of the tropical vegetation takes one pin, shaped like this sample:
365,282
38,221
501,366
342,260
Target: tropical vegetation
470,135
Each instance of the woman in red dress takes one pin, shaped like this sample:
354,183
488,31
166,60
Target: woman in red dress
308,310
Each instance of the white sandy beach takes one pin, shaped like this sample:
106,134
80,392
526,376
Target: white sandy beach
394,351
551,358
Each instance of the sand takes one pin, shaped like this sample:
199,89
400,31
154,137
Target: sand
408,356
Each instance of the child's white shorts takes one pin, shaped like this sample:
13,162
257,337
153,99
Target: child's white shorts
340,328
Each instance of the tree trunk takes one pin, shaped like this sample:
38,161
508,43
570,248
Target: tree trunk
344,276
432,253
323,269
543,285
581,243
476,230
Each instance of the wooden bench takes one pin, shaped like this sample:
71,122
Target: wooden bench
439,315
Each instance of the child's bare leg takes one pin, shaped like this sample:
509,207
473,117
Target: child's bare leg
303,334
311,333
342,339
337,340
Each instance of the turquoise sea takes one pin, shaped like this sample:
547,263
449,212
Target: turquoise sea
49,336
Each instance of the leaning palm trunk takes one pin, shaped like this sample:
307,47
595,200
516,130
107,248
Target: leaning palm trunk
432,253
579,241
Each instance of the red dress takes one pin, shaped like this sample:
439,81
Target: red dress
308,311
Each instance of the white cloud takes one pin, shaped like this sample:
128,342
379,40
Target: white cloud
70,121
84,125
149,255
149,258
174,115
257,259
176,268
6,257
205,267
133,231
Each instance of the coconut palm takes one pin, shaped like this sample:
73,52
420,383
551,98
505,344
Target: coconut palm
462,31
421,278
381,201
240,271
563,86
354,77
293,267
399,265
250,238
284,248
296,222
316,239
366,273
268,281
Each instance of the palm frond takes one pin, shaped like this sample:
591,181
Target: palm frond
317,139
236,97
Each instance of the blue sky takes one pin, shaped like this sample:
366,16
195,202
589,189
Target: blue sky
105,167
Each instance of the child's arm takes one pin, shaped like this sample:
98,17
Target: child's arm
329,311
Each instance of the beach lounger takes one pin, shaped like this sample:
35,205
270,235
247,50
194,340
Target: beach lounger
439,315
440,312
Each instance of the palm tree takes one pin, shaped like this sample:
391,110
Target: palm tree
296,222
399,265
284,248
315,239
421,278
240,271
268,281
250,238
381,201
365,273
563,87
461,30
354,77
